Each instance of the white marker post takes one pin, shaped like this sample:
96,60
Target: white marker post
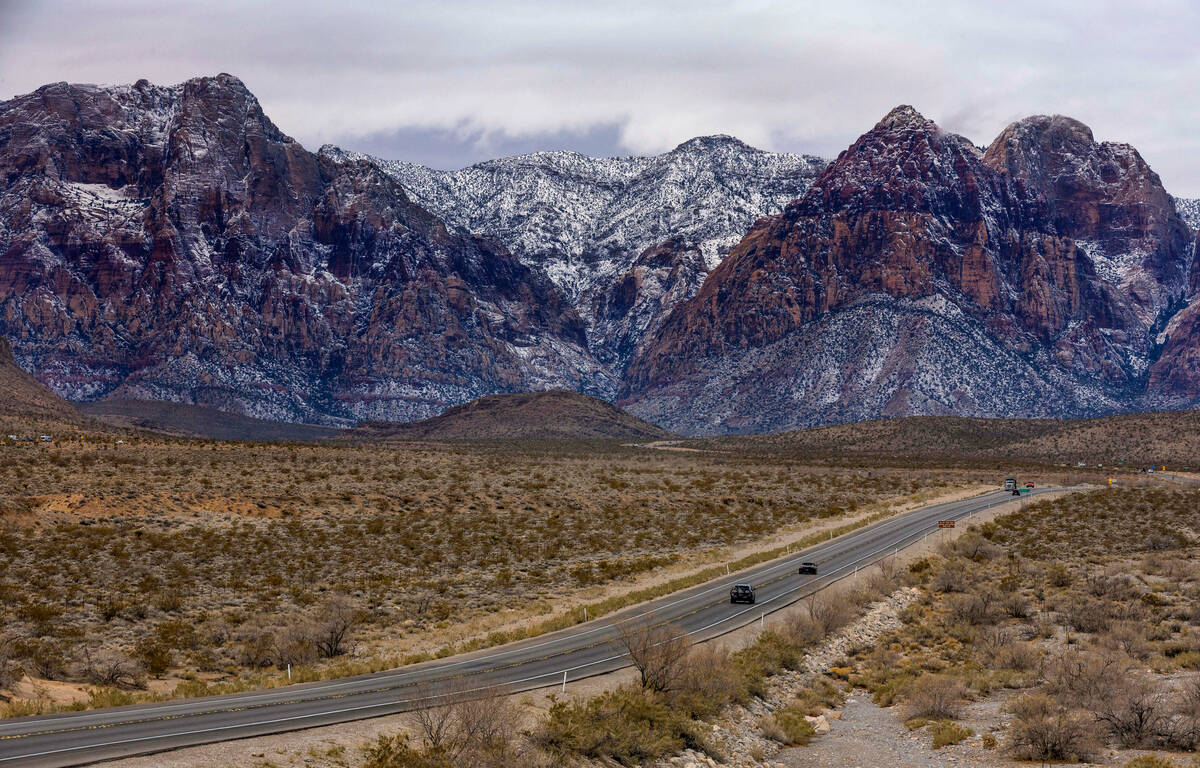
564,690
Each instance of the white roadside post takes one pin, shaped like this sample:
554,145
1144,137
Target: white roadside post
564,688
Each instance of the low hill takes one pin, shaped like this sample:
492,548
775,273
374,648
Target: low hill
185,420
554,415
1137,439
27,406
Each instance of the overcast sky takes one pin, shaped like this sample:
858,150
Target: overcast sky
448,83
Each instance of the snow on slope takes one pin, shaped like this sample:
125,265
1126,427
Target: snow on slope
585,221
1189,210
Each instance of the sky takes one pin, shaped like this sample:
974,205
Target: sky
449,83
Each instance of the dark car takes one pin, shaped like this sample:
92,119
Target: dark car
808,568
742,593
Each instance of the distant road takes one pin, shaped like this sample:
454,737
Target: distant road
704,612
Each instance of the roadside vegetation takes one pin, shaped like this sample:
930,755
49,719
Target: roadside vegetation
1081,613
164,568
677,691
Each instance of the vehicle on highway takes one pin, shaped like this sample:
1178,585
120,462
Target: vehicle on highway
742,593
1028,485
1010,484
808,568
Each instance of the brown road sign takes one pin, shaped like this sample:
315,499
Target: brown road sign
945,523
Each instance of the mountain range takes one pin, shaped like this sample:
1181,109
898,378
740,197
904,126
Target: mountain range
171,243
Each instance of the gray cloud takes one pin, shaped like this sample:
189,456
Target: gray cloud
448,82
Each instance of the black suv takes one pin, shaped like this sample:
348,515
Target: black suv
808,568
742,593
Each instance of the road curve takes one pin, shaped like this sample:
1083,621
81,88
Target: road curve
704,612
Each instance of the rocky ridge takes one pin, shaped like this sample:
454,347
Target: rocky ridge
921,275
171,243
625,238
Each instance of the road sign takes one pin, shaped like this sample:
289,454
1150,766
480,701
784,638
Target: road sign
945,523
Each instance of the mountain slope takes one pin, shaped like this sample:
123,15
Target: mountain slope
553,415
171,243
27,407
921,276
198,421
599,226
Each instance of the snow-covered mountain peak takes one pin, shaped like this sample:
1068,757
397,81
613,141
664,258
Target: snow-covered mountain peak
585,221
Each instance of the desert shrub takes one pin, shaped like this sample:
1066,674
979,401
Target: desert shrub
827,612
331,624
707,681
1084,615
935,697
1058,575
395,752
788,727
947,732
43,656
802,632
820,695
111,668
974,608
1042,729
293,642
1183,723
1085,677
1150,761
657,653
1015,605
1020,656
1128,637
952,575
154,655
1134,711
769,655
628,725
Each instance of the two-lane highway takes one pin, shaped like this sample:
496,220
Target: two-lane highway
588,649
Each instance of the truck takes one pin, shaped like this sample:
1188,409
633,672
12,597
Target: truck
1010,483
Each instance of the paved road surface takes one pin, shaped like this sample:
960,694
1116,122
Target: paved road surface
589,649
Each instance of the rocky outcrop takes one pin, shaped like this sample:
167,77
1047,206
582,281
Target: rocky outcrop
920,275
172,243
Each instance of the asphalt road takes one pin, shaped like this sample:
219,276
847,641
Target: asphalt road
704,612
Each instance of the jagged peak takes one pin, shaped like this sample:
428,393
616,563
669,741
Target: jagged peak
1061,125
713,140
905,117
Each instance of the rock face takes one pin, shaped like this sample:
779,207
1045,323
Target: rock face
602,228
172,243
920,275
